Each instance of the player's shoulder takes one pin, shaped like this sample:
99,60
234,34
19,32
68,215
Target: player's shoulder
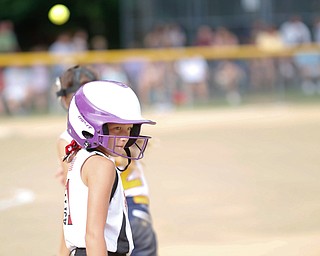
98,168
99,161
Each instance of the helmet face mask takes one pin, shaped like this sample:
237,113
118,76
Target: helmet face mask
137,148
98,103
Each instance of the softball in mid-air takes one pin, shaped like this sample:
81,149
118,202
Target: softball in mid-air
59,14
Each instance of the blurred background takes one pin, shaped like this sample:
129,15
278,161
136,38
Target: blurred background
173,53
234,87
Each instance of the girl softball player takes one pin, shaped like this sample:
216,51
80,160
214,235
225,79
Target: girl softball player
66,85
133,179
104,119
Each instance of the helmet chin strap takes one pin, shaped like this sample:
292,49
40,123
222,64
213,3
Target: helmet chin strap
129,160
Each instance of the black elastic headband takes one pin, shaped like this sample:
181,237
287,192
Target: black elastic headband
76,80
129,161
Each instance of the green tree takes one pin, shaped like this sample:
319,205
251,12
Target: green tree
32,26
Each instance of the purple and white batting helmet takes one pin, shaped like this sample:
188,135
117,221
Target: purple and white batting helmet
98,103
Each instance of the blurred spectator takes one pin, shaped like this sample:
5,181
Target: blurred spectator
4,108
61,46
107,71
16,81
134,67
151,87
39,84
269,39
295,32
316,30
256,28
80,40
165,36
309,69
8,39
175,36
204,36
154,39
98,43
8,43
229,76
263,71
193,74
224,37
113,71
288,73
154,86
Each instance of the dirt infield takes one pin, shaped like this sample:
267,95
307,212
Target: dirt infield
228,181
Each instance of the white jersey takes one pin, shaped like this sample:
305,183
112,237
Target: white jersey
117,232
133,179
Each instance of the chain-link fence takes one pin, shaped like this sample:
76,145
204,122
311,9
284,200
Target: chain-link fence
169,78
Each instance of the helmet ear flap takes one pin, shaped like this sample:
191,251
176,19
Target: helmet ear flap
135,132
105,129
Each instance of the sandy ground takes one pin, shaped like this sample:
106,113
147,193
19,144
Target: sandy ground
223,181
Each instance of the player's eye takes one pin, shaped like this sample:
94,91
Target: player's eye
115,129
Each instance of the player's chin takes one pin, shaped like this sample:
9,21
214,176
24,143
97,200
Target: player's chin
118,151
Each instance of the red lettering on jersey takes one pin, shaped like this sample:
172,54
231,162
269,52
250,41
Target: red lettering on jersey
67,216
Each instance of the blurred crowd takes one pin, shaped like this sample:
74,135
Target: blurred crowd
188,81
